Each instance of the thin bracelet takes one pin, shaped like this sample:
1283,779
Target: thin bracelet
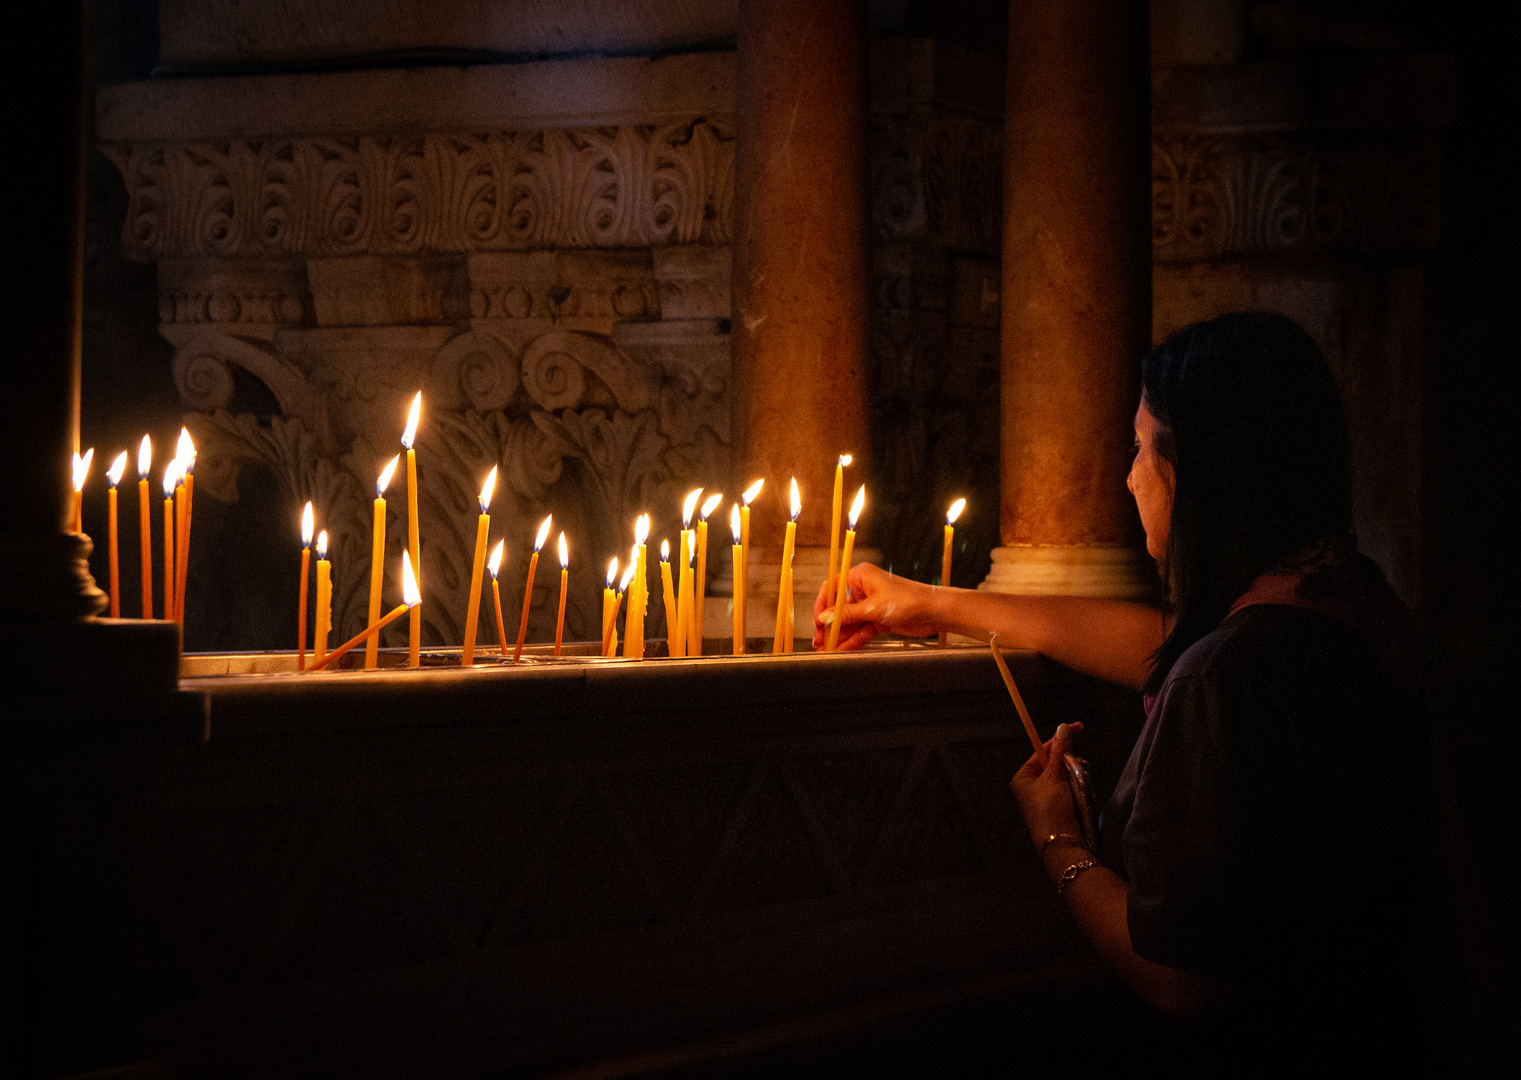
1075,841
1069,875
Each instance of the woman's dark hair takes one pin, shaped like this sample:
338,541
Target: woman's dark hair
1251,422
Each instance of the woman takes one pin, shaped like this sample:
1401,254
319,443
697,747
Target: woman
1253,877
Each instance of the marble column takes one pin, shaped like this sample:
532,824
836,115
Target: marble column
1076,297
800,278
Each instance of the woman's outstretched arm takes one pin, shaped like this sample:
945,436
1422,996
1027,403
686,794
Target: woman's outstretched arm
1110,639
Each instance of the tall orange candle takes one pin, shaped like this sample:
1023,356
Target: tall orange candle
378,558
171,481
144,522
477,569
675,645
324,599
533,567
412,597
699,625
742,578
833,640
834,522
945,559
781,640
113,476
564,583
414,615
186,452
737,609
609,598
179,535
81,473
307,525
610,638
639,592
494,564
686,595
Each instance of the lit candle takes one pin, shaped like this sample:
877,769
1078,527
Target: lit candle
610,648
699,624
81,473
945,559
685,593
186,452
477,569
742,573
307,525
113,477
415,615
639,594
533,566
843,590
738,608
834,523
378,556
782,640
609,598
494,564
1019,702
178,541
171,481
411,599
564,583
144,524
675,644
324,599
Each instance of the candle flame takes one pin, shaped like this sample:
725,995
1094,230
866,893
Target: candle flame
855,507
144,457
385,476
409,591
488,489
734,521
495,562
845,459
82,468
322,544
642,529
612,571
538,543
955,511
564,553
628,575
689,507
408,436
171,477
119,466
665,551
752,491
185,449
710,504
797,502
308,523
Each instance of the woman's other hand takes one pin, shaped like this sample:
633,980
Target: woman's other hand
879,603
1043,794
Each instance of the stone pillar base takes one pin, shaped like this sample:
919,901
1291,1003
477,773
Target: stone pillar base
809,569
1110,572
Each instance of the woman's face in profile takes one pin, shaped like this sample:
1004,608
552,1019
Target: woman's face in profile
1150,481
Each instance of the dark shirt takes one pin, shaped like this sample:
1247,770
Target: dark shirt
1266,822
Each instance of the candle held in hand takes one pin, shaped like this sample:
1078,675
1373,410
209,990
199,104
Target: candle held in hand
564,582
144,522
477,570
414,616
113,477
377,558
945,559
841,593
308,523
409,591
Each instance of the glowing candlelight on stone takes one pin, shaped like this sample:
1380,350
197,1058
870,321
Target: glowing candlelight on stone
308,523
144,522
1019,702
171,481
414,617
494,564
738,612
700,624
186,452
742,573
945,559
609,598
564,583
324,615
533,566
378,556
639,595
81,473
411,597
834,522
843,590
675,645
685,593
113,477
477,570
782,640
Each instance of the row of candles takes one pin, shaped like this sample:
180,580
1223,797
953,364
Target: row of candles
684,594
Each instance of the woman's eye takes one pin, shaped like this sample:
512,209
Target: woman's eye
1135,447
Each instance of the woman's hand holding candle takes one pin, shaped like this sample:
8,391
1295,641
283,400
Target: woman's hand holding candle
144,523
494,564
113,477
880,603
533,566
307,525
378,555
